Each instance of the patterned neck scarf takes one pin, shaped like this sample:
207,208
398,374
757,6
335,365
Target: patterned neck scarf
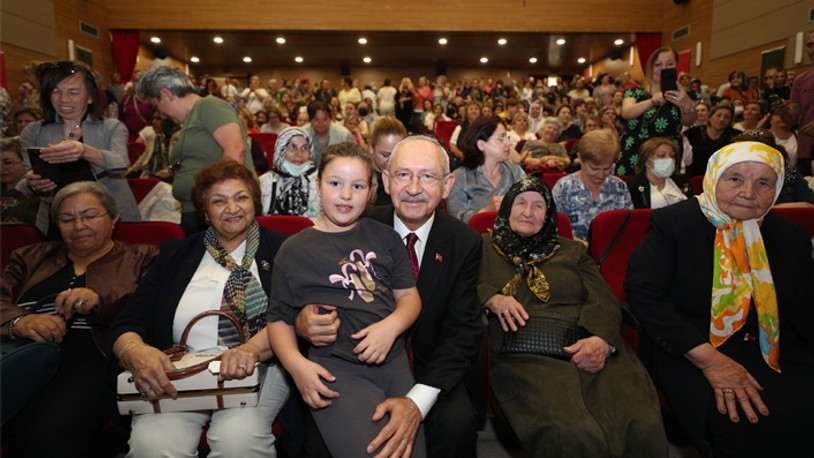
525,253
741,266
243,295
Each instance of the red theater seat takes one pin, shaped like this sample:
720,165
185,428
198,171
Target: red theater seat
801,216
285,224
13,236
141,187
148,232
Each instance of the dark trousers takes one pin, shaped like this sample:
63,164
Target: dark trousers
450,429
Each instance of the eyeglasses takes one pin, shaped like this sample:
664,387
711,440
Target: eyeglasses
9,163
406,176
502,138
84,219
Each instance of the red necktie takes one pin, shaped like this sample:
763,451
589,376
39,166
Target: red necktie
411,240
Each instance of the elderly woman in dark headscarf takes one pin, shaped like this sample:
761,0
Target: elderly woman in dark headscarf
290,188
585,392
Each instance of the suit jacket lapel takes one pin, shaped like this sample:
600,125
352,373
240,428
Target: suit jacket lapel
436,252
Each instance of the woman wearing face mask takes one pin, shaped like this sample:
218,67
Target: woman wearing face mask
290,188
655,184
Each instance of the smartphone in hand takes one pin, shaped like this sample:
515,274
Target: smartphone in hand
668,80
44,169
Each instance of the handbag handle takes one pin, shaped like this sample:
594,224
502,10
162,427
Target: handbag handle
178,351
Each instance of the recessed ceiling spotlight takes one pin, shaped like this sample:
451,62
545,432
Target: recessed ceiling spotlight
442,41
561,41
194,59
155,40
501,41
483,60
247,59
367,60
533,60
218,40
298,59
362,41
280,40
581,60
618,42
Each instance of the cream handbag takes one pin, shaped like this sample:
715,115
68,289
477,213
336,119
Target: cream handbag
196,379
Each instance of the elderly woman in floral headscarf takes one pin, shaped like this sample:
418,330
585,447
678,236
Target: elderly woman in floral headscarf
724,289
586,394
290,188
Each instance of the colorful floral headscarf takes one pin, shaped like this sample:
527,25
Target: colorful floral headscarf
741,270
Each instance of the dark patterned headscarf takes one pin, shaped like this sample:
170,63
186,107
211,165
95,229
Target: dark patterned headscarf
526,252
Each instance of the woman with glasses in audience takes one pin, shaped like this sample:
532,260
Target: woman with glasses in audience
69,292
486,172
274,124
76,138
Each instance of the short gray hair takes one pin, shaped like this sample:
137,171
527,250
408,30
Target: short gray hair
13,145
551,120
441,152
160,77
90,187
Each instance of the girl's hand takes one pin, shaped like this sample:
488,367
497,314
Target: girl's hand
63,152
510,313
377,340
77,300
38,184
307,375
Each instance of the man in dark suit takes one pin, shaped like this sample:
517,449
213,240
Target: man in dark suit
446,336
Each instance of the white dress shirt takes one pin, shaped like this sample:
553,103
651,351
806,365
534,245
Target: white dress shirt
424,396
205,292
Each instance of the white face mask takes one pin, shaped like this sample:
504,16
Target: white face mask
738,110
296,170
662,168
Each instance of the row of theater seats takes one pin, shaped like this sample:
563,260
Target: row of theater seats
147,232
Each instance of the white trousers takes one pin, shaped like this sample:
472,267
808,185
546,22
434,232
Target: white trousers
243,432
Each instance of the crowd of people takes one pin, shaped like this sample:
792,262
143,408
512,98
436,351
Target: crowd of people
365,328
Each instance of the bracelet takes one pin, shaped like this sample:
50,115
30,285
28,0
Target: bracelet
129,346
11,327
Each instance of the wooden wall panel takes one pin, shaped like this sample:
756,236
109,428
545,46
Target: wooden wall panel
388,15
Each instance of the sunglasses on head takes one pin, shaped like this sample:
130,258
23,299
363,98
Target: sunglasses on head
64,65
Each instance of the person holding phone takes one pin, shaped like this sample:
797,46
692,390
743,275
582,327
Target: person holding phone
659,108
75,139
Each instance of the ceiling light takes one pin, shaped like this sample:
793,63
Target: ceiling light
501,42
218,40
280,40
362,41
194,59
367,60
483,60
298,59
581,60
561,41
533,60
618,42
442,41
247,59
155,40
